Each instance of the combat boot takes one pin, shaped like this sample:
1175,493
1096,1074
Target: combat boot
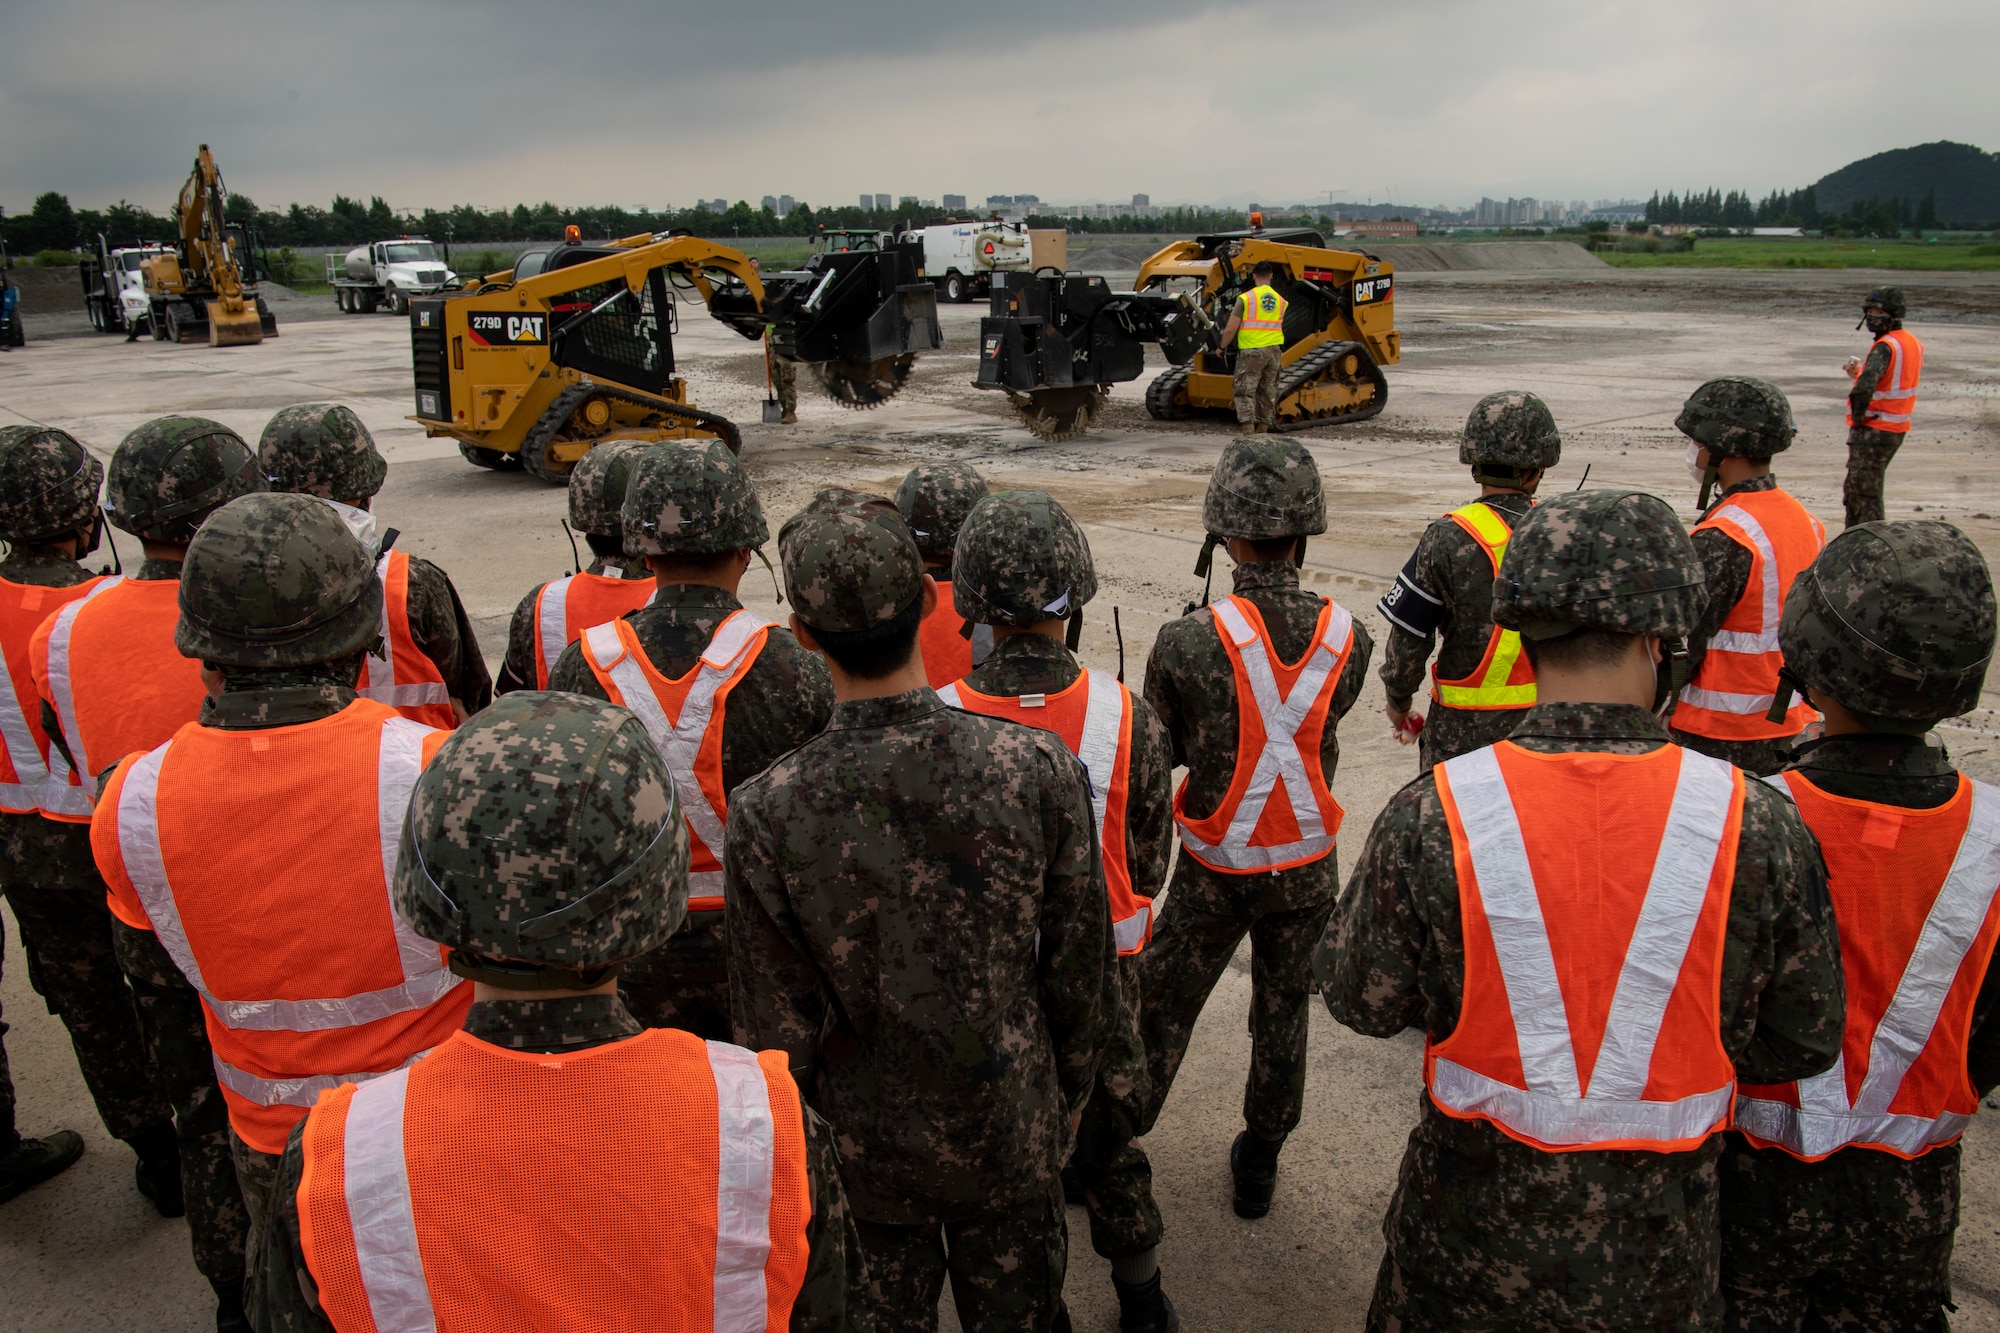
31,1161
1144,1308
1253,1160
158,1174
229,1316
789,419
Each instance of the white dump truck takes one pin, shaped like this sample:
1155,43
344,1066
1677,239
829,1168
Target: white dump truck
114,287
387,273
960,258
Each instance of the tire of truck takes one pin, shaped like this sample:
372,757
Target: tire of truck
370,302
341,299
954,287
399,304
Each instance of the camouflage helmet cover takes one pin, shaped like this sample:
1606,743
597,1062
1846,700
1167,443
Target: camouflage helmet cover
1613,560
691,498
1263,488
277,581
172,472
1895,621
545,834
598,485
1021,559
1511,429
48,484
321,449
850,567
1738,416
935,499
1890,299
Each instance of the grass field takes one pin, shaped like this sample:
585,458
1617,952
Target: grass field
1806,252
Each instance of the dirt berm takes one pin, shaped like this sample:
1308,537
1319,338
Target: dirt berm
1125,254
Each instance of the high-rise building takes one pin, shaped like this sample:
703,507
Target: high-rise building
1142,201
907,201
786,205
882,202
769,203
954,203
868,201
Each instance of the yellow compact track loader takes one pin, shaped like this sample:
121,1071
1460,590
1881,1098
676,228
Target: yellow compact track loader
200,293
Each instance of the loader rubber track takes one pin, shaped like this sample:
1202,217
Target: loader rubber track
534,449
1314,364
1160,404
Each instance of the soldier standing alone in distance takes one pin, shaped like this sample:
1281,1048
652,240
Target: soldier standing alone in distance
1881,403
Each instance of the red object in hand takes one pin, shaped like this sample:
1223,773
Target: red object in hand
1413,723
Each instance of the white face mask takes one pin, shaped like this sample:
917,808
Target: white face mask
359,522
1695,468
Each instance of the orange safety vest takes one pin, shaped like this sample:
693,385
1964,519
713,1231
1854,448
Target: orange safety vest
402,677
1278,812
948,654
1594,895
263,860
684,718
1732,690
566,607
1894,400
108,666
454,1195
1504,678
1094,719
1914,899
25,752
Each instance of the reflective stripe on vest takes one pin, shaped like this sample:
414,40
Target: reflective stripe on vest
26,784
1733,688
401,676
1223,841
1554,1110
1104,745
1894,400
62,680
555,629
1261,316
1814,1117
1503,678
728,657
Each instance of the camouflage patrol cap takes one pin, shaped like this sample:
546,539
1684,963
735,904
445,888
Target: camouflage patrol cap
1738,417
543,841
598,484
935,499
277,581
48,484
1264,487
1895,621
1511,429
321,449
850,567
1890,299
1614,560
1021,559
691,498
171,473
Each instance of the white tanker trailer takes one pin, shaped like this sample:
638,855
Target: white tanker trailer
387,273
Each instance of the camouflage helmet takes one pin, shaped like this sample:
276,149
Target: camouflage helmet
277,581
1021,559
598,484
691,498
171,473
1895,621
1511,429
1614,560
935,499
1264,487
1738,416
850,567
48,485
321,449
544,841
1890,299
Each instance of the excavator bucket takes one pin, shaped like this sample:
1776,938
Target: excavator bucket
241,329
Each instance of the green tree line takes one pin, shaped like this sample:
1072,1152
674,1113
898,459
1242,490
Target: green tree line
1799,208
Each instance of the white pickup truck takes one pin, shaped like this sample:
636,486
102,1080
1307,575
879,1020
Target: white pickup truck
387,273
960,258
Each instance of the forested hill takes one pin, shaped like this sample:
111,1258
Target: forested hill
1966,180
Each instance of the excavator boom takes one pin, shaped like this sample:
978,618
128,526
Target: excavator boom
202,284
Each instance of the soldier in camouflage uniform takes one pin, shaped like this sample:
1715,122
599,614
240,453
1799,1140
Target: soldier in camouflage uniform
784,381
1264,500
579,785
918,916
323,449
934,499
1870,449
691,511
1021,557
1486,1230
1891,631
49,519
1445,592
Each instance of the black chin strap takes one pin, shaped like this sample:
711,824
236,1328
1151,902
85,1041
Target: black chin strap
1672,675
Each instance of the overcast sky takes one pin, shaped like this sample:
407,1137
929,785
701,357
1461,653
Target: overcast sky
436,102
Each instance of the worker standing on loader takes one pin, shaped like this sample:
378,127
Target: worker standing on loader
1753,542
934,499
1257,323
1562,1173
638,1143
919,919
1881,403
1251,688
1482,684
428,666
555,614
1028,573
723,692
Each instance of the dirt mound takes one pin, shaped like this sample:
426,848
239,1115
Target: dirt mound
1125,254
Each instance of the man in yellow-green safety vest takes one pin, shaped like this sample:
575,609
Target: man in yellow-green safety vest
1482,684
1257,323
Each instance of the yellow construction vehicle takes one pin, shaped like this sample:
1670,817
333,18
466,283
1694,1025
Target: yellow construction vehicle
1057,342
537,371
201,292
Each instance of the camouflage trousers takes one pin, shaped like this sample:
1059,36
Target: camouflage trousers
685,982
257,1177
1116,1174
1861,1240
1451,732
1006,1269
1760,759
784,378
1257,384
1868,455
176,1034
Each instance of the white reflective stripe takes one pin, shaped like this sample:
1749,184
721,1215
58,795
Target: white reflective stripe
27,795
1895,378
376,1174
60,798
407,696
1551,1118
1103,728
705,883
60,683
949,693
552,615
399,763
732,637
1723,701
1131,932
301,1091
1812,1133
1766,639
139,849
1889,416
22,752
746,1139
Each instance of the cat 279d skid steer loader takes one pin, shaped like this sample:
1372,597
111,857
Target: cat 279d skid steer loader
537,371
1057,342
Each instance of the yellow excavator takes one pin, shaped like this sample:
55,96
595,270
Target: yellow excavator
1056,342
200,293
533,372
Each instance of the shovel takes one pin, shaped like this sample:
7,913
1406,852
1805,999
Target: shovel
773,413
